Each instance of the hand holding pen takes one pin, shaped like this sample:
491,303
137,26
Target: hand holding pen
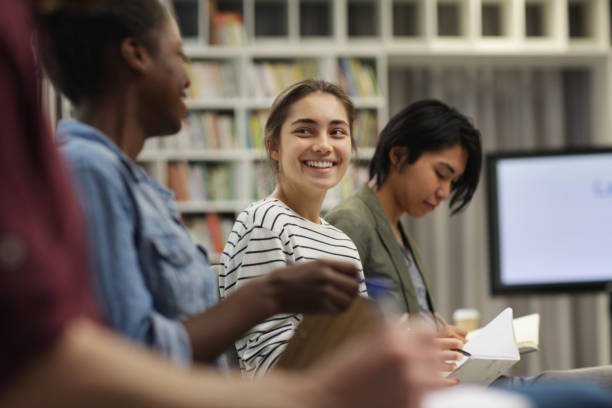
451,340
446,330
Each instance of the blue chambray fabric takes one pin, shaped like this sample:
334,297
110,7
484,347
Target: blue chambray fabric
148,273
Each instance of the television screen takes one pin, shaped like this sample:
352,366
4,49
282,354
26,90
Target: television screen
550,220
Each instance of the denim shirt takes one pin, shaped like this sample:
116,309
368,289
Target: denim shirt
148,274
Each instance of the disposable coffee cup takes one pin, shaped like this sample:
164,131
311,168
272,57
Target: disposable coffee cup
466,319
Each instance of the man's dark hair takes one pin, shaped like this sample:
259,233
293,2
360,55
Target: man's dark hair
425,126
76,44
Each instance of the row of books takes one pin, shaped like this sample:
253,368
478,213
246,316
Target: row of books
211,231
211,182
255,130
200,181
269,78
365,128
204,130
213,79
200,131
218,79
213,131
226,28
357,77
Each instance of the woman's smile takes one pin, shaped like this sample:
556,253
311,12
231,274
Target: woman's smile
319,165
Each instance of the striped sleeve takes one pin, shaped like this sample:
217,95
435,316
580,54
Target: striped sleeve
255,251
266,236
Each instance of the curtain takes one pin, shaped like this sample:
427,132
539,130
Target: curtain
514,108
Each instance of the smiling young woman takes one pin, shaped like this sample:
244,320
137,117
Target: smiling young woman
309,142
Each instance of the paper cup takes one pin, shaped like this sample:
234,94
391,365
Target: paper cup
466,319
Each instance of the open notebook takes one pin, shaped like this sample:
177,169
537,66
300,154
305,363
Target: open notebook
492,351
526,331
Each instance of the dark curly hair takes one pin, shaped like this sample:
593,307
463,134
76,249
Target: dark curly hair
76,43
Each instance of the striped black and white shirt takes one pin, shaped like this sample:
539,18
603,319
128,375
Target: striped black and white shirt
266,236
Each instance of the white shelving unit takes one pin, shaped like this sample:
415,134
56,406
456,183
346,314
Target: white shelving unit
382,34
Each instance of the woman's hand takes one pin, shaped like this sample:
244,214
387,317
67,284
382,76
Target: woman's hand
322,286
449,339
452,332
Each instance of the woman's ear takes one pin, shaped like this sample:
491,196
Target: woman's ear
135,54
272,149
396,154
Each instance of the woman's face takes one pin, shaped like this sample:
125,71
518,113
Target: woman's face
166,83
315,144
419,187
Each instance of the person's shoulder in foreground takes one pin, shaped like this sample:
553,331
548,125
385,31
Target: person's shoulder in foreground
42,287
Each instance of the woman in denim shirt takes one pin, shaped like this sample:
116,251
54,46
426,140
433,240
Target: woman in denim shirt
123,68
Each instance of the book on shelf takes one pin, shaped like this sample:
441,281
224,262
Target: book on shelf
196,182
269,78
226,26
210,231
526,331
177,180
490,352
201,181
219,182
357,77
255,130
365,128
216,131
216,236
212,79
203,131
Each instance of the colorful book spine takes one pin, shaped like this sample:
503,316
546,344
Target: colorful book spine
212,79
207,130
256,128
357,77
201,181
365,128
177,180
227,28
270,77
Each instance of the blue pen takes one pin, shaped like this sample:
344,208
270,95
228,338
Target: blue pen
378,287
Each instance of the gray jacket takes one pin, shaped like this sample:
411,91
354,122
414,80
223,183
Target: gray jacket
362,218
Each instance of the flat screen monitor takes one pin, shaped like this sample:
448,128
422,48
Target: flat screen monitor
550,220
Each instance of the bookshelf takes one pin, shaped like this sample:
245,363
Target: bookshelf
243,52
